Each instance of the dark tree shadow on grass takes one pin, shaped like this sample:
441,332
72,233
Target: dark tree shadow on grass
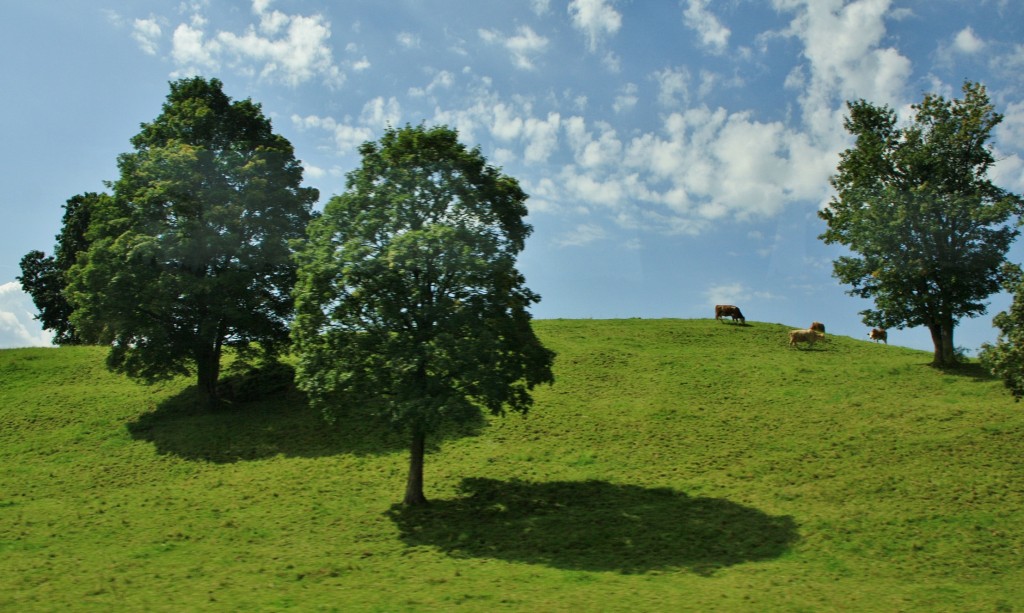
967,370
595,526
284,424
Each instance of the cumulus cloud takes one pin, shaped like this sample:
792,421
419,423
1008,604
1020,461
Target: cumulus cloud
712,34
442,80
524,46
627,98
1010,133
18,328
597,19
673,87
289,49
147,33
381,113
347,138
966,41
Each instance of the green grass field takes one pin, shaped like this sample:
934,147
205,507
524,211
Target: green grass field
674,465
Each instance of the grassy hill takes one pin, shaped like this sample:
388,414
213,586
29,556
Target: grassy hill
674,465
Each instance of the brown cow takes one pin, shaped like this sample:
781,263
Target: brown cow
817,326
804,336
728,310
878,334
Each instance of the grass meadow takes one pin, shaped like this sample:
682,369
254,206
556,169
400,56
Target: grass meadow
674,465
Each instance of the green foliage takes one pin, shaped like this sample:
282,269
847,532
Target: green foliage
194,254
45,277
928,229
409,305
676,465
1005,358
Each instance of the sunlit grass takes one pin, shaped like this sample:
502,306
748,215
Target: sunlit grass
674,465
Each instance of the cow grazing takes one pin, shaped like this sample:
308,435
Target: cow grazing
817,327
728,310
804,336
878,334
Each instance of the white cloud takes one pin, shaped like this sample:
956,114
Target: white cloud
540,7
313,172
727,293
290,49
582,234
1008,173
18,328
381,113
442,80
1010,133
627,98
191,53
673,87
605,150
408,40
147,33
524,46
506,125
347,138
713,35
966,41
596,19
541,138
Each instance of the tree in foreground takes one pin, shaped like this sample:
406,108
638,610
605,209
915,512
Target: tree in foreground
1005,358
194,256
45,277
914,204
409,306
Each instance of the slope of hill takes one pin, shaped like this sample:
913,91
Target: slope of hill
675,464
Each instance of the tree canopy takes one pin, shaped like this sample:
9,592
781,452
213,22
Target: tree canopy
927,228
194,255
45,277
409,306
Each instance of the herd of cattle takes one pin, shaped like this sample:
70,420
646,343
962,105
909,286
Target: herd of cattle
811,335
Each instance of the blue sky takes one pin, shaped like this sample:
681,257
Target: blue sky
676,152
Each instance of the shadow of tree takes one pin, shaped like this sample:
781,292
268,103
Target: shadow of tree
284,424
595,526
969,370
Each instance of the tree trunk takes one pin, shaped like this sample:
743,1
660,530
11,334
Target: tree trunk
414,486
942,339
208,371
948,349
937,356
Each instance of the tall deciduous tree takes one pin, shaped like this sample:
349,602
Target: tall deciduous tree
409,305
196,255
915,205
45,277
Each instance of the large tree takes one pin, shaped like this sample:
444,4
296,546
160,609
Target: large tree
409,306
928,230
195,254
45,277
